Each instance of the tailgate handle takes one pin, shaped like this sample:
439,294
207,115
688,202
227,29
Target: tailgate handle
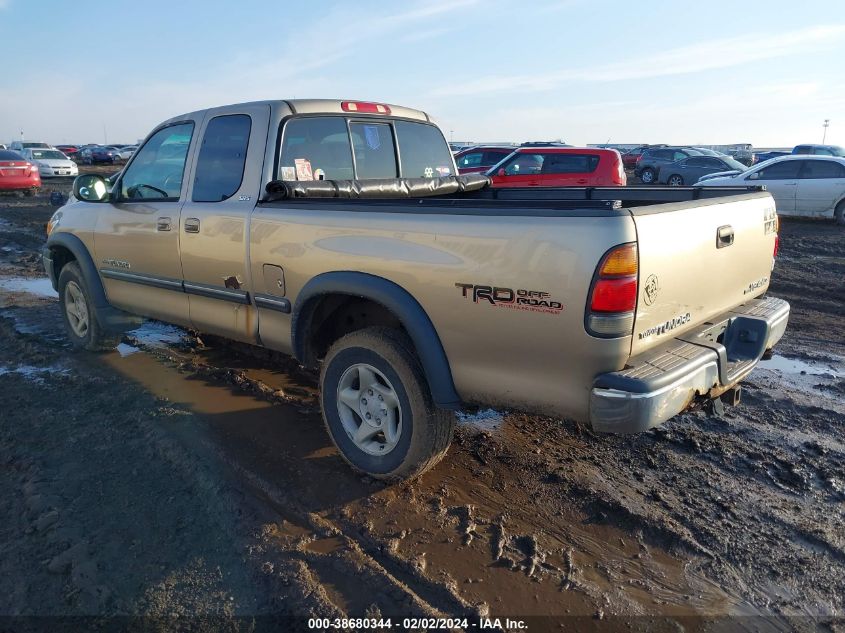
724,236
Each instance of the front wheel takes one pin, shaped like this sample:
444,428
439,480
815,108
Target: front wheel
675,181
81,324
377,407
647,175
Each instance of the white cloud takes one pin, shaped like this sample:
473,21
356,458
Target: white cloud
708,55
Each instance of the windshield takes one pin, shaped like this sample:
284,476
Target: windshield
48,154
837,151
735,164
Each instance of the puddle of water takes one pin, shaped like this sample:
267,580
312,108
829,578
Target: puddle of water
31,372
34,286
325,545
484,420
125,350
793,366
156,334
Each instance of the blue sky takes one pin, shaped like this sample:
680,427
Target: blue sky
579,70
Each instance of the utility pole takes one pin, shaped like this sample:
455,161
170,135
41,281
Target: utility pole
825,125
451,136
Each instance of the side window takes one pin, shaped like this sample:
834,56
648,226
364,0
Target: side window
570,163
471,160
697,161
801,149
679,155
784,170
374,148
822,169
159,166
524,165
423,151
321,143
222,157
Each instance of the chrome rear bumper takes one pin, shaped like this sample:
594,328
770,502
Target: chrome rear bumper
702,363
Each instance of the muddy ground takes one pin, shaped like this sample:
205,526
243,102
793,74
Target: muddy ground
180,476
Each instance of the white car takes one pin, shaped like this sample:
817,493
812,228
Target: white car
51,162
802,185
125,153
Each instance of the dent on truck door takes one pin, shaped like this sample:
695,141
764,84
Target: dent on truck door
225,183
136,240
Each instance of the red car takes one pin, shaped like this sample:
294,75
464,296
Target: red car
68,150
17,174
560,167
478,159
630,158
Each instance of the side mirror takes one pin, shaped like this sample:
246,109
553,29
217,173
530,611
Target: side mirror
754,176
90,188
501,172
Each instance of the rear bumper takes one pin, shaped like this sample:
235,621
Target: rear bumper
702,363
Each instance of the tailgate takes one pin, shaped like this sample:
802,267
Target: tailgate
699,259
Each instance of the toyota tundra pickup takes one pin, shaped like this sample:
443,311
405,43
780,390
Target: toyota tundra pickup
339,232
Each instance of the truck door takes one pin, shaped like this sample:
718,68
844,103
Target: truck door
225,185
136,238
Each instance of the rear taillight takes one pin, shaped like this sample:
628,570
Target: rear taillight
33,169
777,236
623,179
613,294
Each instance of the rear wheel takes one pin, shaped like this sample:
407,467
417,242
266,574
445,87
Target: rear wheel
839,213
78,314
377,407
647,175
675,181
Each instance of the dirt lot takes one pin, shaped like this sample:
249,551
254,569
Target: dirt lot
178,476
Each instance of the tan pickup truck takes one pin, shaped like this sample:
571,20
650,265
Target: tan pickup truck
337,231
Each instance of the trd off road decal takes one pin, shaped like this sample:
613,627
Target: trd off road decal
526,300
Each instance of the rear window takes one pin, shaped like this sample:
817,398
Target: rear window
47,154
374,148
322,147
422,150
570,163
10,155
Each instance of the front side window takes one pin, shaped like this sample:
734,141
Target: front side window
570,163
423,151
159,166
697,162
814,169
524,165
222,157
374,148
785,170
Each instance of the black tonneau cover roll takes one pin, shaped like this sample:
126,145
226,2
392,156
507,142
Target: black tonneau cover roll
378,188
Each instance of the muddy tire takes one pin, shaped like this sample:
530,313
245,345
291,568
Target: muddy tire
647,176
377,406
839,214
78,314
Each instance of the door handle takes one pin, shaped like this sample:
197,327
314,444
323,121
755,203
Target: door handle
192,225
724,236
790,184
163,224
